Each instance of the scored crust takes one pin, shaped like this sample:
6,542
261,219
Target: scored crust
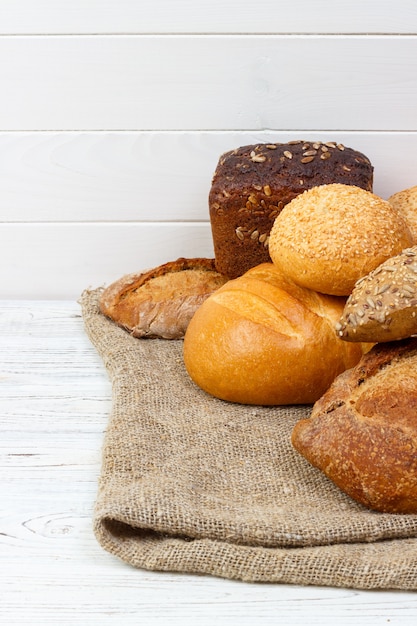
262,339
362,433
161,301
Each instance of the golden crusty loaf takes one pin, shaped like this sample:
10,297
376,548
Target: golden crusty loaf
332,235
262,339
160,302
363,432
383,305
405,202
253,183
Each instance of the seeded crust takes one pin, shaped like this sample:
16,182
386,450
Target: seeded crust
406,203
252,184
160,302
362,433
383,305
332,235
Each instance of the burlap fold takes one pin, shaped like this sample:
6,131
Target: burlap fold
190,483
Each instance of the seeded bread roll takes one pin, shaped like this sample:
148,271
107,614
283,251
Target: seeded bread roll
160,302
363,432
262,339
332,235
406,203
252,184
383,305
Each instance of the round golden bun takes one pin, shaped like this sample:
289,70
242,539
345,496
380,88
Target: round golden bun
262,339
331,235
406,203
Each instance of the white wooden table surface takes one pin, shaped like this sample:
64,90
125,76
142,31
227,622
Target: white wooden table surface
55,399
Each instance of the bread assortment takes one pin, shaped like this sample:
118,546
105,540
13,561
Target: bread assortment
252,184
332,235
363,432
263,339
383,305
311,270
160,302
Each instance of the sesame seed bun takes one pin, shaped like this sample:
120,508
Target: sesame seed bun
330,236
406,203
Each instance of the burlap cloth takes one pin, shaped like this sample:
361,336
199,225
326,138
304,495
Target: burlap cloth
190,483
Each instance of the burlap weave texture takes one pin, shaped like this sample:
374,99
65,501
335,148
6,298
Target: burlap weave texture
190,483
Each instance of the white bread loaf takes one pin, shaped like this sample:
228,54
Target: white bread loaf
262,339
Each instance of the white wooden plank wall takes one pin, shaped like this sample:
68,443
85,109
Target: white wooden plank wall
113,116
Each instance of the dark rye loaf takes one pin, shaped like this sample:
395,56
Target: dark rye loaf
252,184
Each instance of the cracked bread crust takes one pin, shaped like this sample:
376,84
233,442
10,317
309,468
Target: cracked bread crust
362,433
160,302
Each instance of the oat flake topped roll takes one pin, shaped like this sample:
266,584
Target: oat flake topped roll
383,304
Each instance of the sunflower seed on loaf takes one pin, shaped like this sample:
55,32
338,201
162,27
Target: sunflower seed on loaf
383,305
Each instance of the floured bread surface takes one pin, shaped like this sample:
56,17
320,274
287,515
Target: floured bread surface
160,302
362,433
383,304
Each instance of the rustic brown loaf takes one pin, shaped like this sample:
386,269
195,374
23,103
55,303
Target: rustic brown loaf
405,202
363,432
261,339
253,183
383,305
332,235
160,302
